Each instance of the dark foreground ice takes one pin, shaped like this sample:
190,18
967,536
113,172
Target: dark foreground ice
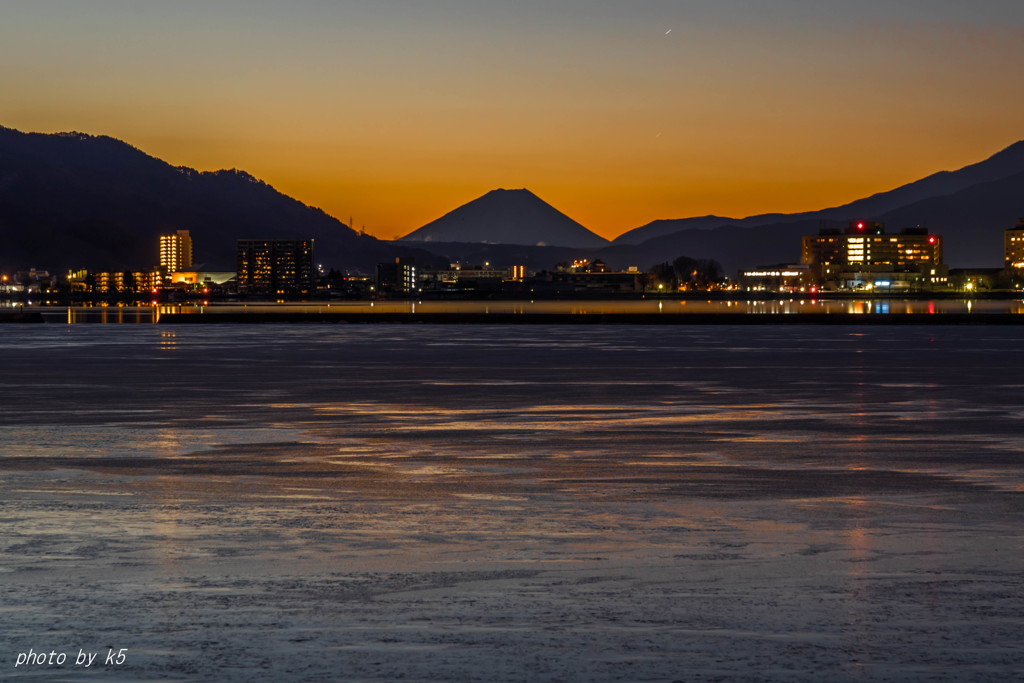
379,503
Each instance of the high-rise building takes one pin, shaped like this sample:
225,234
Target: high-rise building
865,255
176,251
399,276
275,267
1013,249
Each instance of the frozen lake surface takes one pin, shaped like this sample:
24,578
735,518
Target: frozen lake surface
662,309
487,503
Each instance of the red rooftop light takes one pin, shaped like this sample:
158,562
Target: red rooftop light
931,240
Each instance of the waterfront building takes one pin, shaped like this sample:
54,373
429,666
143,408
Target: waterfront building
781,278
176,252
585,276
1013,249
200,279
399,277
472,278
78,281
275,267
457,272
124,281
580,281
865,257
31,281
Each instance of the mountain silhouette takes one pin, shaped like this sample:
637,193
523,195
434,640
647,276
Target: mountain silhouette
667,226
507,217
969,207
71,200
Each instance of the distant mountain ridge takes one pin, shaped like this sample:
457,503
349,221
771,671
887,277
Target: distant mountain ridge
1002,164
667,226
71,200
970,208
507,217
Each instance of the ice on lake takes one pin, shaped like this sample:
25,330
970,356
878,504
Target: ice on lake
513,503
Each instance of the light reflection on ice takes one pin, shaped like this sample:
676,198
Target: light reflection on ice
362,487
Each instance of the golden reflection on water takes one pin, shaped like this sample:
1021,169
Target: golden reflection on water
139,314
168,341
857,306
559,418
118,314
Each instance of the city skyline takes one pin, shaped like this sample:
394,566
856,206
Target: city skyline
393,114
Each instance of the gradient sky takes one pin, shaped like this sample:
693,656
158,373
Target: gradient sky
618,113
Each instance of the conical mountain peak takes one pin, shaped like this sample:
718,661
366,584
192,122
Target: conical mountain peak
504,216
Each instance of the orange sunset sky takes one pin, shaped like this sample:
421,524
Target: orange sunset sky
617,113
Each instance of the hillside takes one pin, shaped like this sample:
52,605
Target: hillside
72,200
970,207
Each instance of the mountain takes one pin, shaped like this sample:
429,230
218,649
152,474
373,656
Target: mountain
507,217
668,226
952,203
1000,165
734,246
971,220
71,200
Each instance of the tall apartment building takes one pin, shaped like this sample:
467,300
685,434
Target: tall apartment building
1013,249
400,276
864,255
176,252
123,282
275,267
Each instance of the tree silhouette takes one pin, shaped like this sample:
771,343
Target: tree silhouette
697,273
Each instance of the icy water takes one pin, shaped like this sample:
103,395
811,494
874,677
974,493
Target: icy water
486,503
665,307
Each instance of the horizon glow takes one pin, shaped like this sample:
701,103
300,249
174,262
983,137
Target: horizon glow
394,113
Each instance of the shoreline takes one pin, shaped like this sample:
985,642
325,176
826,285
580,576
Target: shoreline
542,312
464,318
